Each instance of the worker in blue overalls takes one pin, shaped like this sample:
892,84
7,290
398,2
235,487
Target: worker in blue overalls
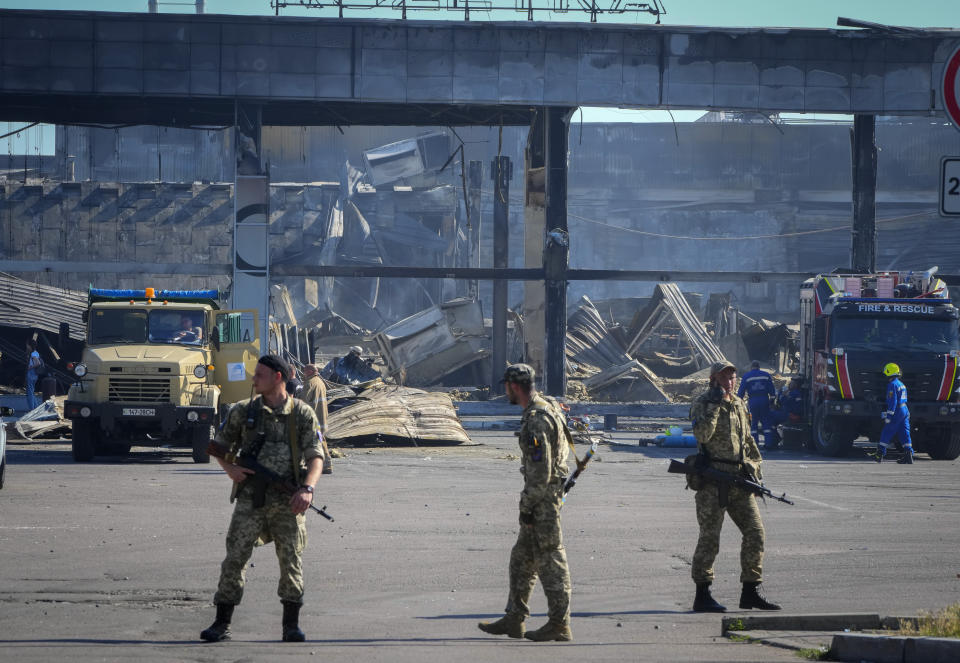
896,418
759,388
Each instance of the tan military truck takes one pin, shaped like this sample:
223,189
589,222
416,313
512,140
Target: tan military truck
157,367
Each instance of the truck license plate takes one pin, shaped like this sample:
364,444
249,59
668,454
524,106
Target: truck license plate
139,412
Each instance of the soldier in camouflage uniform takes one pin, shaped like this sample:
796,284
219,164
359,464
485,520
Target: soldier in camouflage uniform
721,424
281,432
539,551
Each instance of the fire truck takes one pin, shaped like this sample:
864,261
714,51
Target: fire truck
851,325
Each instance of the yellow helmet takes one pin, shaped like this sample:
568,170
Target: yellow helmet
890,370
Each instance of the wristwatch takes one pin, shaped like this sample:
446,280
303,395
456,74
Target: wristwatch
309,489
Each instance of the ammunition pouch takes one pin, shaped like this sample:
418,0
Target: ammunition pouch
695,481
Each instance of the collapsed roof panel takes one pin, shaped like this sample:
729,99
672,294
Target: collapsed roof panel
397,415
668,305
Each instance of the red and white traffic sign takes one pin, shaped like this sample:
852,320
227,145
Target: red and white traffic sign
951,87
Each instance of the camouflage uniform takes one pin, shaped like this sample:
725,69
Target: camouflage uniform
723,432
539,549
274,521
315,395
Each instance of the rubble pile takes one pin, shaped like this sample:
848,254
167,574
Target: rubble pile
665,352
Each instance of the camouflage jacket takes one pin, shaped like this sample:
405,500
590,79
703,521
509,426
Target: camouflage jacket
544,443
277,452
723,431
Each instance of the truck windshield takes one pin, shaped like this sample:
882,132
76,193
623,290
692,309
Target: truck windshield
184,327
905,334
118,326
166,325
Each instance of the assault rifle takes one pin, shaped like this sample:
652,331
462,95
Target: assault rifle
581,466
724,480
262,475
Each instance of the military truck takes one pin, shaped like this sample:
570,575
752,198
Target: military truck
851,325
157,368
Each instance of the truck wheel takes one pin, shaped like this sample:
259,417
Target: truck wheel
201,436
946,446
831,436
84,442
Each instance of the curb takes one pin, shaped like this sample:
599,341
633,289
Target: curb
489,425
787,631
856,621
894,649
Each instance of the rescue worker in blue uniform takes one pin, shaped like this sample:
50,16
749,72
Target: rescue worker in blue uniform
789,405
896,418
791,401
759,389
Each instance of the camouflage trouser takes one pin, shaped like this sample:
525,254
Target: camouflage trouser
742,507
289,535
539,552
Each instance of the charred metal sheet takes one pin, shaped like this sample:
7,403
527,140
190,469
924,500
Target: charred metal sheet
34,306
589,343
433,343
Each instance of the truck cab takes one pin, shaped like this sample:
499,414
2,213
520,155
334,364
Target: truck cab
157,368
854,324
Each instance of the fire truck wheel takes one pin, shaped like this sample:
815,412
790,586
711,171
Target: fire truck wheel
945,447
832,436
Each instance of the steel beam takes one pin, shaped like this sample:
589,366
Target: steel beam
500,173
863,235
474,191
556,253
528,273
393,272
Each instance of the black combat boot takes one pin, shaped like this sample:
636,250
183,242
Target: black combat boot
220,628
291,622
906,459
751,597
704,601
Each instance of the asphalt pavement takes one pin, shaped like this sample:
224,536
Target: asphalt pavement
118,559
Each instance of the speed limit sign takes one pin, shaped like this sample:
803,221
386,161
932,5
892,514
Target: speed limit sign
950,186
950,87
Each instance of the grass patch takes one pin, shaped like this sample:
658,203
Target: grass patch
813,653
942,624
736,625
736,637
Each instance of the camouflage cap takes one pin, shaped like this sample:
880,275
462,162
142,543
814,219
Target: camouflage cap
522,373
719,366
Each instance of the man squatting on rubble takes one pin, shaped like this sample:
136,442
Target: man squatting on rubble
722,428
539,548
281,433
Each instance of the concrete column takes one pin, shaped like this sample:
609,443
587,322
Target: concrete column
474,189
534,230
556,255
863,240
251,237
500,172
